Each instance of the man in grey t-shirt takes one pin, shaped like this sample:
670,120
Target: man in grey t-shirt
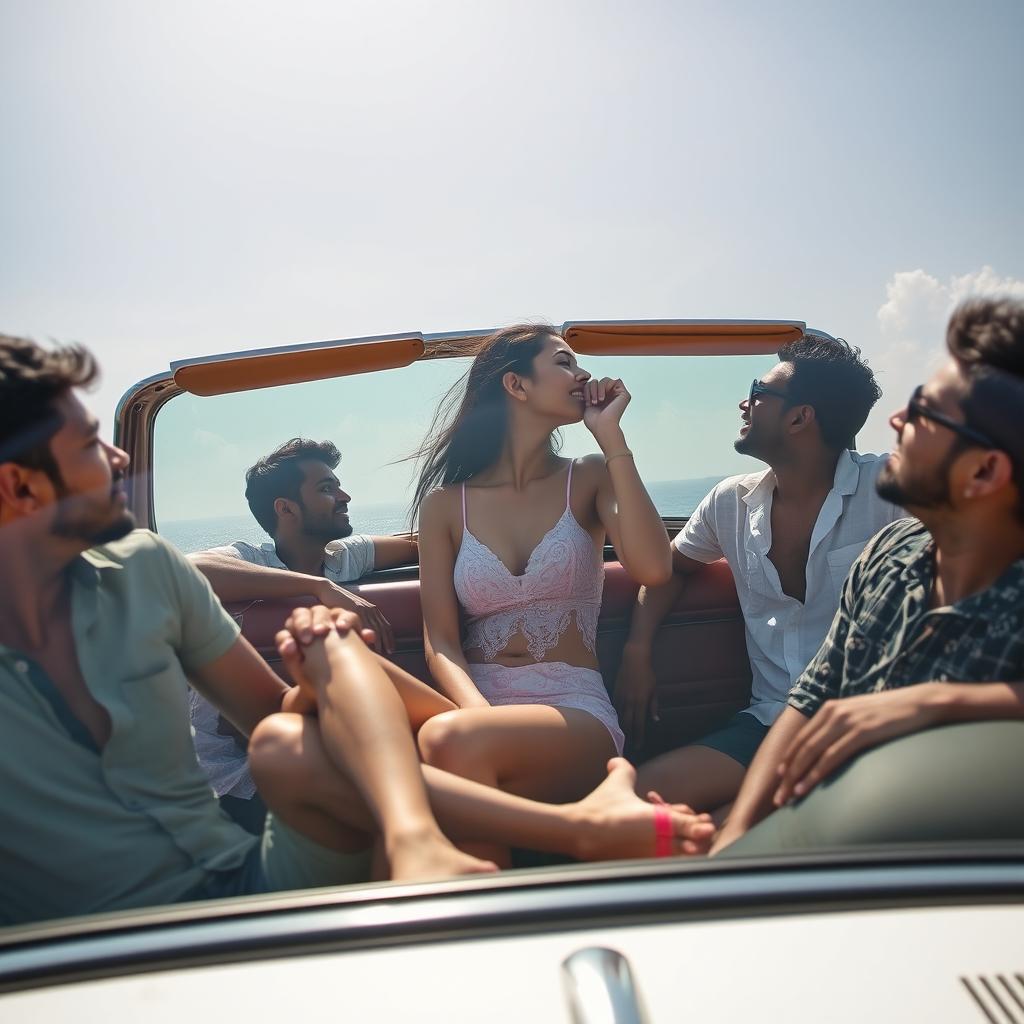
294,494
296,497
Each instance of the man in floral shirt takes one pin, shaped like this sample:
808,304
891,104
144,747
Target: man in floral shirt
930,631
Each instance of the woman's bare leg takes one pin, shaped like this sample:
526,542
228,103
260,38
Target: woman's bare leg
533,750
307,790
364,728
421,701
537,751
352,770
609,823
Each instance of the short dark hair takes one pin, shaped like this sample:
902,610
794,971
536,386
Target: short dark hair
829,374
31,379
986,338
278,475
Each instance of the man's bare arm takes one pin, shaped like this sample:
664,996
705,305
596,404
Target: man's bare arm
654,603
755,799
391,551
844,728
234,579
964,702
241,686
634,693
245,689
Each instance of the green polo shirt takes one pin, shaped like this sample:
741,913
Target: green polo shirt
134,824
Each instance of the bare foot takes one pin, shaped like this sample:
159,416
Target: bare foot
419,856
615,824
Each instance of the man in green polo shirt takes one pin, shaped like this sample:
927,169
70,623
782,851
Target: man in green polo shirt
101,629
929,632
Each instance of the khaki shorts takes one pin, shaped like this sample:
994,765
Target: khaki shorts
288,860
285,859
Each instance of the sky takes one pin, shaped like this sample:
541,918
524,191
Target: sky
187,178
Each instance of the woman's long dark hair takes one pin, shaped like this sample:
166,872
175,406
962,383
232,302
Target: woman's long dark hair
468,430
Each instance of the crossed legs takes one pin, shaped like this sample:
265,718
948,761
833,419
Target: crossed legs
303,787
535,751
361,732
352,772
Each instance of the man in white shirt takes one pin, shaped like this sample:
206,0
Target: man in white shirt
789,534
296,497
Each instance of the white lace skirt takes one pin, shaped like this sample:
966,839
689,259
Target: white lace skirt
553,683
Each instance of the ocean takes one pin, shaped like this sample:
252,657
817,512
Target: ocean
671,498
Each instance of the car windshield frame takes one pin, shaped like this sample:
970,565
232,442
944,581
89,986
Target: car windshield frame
138,411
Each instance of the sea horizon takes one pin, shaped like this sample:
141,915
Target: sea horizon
671,498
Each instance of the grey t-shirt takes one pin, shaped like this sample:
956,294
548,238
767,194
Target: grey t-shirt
344,560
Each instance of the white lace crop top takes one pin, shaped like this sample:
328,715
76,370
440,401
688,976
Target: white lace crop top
563,578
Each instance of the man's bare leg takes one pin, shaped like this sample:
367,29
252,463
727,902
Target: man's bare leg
308,791
703,778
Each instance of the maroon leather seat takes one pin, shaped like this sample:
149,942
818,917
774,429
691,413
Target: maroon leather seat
700,655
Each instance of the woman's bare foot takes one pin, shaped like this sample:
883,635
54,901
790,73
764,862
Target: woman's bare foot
615,824
419,856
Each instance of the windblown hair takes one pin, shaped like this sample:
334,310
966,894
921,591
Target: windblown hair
31,379
829,375
279,475
986,337
988,332
468,430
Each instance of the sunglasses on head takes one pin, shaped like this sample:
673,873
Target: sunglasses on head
757,389
917,410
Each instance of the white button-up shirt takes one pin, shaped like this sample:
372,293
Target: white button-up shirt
735,522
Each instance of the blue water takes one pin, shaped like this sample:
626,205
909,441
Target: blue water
671,498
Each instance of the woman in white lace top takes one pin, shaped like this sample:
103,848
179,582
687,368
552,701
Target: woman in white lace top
511,540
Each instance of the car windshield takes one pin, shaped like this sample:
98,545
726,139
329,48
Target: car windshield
681,425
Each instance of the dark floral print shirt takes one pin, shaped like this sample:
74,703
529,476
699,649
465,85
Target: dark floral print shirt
885,636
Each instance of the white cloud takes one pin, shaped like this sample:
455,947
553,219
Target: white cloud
915,302
918,304
984,282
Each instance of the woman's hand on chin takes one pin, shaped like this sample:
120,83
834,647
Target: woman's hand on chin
606,400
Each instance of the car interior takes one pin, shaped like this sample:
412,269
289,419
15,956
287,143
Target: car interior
375,398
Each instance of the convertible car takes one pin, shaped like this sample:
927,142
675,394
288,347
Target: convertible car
888,933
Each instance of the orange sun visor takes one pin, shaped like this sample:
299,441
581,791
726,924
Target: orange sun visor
267,368
681,337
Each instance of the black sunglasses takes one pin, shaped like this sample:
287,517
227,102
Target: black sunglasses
916,410
757,389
